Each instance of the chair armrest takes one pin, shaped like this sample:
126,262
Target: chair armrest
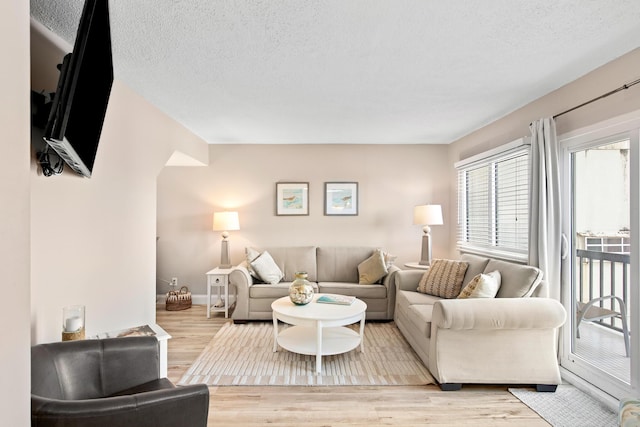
407,280
180,406
241,279
498,313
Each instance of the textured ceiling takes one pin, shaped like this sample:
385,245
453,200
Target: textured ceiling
347,71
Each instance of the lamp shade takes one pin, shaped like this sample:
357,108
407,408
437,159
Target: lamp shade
427,215
225,221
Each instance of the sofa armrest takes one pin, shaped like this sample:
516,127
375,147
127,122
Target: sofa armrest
180,406
390,280
241,279
407,280
498,313
495,341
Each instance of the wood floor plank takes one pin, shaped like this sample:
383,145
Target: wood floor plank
250,406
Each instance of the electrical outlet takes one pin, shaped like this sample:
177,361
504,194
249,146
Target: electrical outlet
174,281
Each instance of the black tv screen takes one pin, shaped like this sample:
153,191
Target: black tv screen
81,98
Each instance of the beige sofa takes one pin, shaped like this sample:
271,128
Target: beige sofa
332,270
510,339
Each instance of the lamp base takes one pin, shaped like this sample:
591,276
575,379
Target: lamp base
225,261
426,250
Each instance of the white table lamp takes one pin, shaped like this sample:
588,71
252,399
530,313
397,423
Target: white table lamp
225,222
427,215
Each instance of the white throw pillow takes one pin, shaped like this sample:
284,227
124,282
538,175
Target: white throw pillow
372,269
251,254
389,259
267,269
482,286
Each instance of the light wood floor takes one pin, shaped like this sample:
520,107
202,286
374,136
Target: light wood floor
241,406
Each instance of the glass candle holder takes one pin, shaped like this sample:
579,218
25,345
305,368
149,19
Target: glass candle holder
73,323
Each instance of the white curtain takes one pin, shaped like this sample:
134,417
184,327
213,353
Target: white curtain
545,227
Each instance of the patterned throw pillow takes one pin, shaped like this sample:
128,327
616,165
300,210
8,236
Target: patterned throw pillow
482,286
444,278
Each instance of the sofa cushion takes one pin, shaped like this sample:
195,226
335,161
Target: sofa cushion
477,265
340,264
417,309
517,281
482,286
292,259
263,290
372,269
267,269
443,279
359,291
420,317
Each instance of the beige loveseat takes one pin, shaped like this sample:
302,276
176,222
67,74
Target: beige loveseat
330,269
509,339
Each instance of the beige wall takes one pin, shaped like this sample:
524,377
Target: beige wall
14,202
93,240
392,180
516,125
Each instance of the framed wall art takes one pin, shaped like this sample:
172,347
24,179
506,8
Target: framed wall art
292,198
341,198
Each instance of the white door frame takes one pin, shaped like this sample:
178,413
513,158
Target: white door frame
576,141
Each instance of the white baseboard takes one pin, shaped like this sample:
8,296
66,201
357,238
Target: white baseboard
195,299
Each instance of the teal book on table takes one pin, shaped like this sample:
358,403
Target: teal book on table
336,299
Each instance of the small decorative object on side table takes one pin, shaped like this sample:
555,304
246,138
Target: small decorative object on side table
219,277
73,323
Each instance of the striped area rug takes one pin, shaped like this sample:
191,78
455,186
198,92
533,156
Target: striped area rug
243,355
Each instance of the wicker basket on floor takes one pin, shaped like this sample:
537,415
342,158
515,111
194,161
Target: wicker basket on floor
178,300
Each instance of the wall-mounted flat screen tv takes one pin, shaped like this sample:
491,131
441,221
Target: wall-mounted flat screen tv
81,98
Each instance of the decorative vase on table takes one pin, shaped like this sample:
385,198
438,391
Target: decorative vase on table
301,291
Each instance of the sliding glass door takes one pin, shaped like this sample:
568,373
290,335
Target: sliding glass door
600,271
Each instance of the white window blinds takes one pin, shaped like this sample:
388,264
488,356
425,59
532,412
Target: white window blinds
493,205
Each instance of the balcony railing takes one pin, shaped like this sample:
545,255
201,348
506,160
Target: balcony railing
602,274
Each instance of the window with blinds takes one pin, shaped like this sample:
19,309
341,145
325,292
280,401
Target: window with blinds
493,205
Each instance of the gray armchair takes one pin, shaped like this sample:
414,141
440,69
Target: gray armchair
109,382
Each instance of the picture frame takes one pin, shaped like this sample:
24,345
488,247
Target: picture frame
292,198
341,198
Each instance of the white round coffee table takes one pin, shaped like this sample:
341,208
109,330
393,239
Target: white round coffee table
318,329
